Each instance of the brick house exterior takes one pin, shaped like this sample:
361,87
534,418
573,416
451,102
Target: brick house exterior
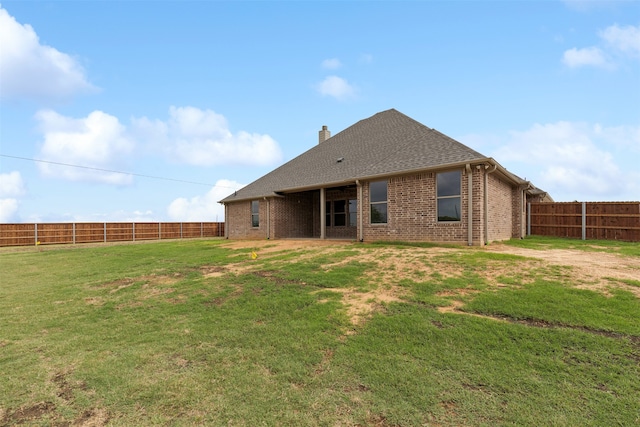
387,177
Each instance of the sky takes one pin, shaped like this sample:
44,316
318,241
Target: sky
156,110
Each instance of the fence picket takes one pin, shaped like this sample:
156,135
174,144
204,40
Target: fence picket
585,220
76,233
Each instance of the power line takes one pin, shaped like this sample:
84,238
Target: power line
114,171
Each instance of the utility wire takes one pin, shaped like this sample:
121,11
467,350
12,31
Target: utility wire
114,171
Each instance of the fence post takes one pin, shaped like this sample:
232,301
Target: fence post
529,219
104,231
159,230
74,232
584,220
181,230
133,231
35,234
201,230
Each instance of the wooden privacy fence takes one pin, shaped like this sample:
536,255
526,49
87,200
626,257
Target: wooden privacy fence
95,232
585,220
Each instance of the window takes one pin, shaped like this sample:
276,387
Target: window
255,213
328,213
339,216
353,212
448,187
378,197
339,213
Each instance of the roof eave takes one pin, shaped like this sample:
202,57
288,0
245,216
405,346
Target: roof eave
514,179
230,199
442,167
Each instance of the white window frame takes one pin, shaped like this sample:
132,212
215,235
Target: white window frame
449,197
256,215
379,202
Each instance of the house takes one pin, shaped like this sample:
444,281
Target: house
387,177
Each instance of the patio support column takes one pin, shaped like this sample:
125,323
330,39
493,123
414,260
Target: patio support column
226,221
268,218
323,214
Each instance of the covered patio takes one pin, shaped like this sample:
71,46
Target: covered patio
330,213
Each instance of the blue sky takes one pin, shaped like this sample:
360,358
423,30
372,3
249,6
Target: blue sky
210,96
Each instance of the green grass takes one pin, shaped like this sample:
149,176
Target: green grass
403,244
546,301
140,334
543,243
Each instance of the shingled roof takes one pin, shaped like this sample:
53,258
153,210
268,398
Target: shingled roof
385,144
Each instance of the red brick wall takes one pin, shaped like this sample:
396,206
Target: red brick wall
293,215
478,205
411,207
411,204
518,212
500,218
238,221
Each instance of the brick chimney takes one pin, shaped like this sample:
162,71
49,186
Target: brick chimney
323,135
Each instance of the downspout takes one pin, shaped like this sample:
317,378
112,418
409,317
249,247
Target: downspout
268,218
469,203
486,201
523,209
359,201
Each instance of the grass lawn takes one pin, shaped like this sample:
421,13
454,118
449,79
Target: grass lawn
197,332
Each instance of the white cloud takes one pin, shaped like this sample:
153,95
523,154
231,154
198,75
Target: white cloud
97,141
202,137
11,184
33,70
575,160
204,207
336,87
587,56
331,64
619,43
624,39
8,210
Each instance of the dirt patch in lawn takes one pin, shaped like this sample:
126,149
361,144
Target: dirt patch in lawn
589,270
266,246
360,305
46,413
151,279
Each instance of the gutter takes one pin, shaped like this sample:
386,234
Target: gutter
505,173
429,169
374,177
272,194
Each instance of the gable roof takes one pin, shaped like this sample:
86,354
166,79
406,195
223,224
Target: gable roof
387,143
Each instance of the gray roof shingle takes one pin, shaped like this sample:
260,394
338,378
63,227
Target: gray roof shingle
386,143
